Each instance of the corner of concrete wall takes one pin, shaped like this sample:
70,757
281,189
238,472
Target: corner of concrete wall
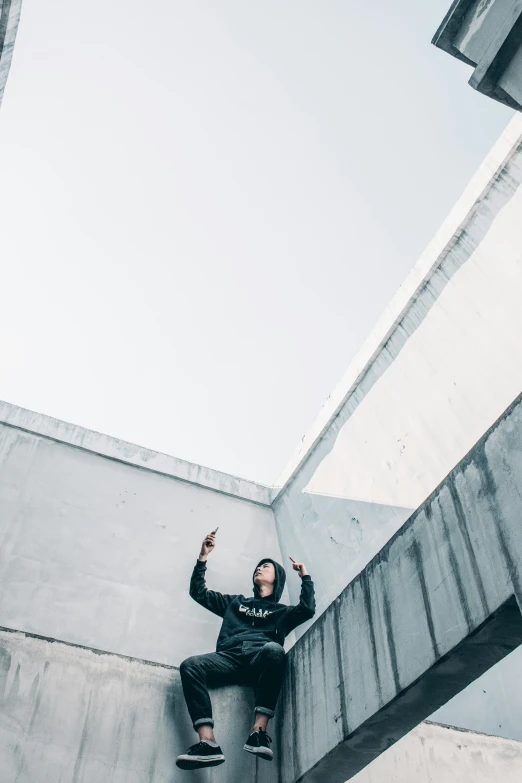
98,550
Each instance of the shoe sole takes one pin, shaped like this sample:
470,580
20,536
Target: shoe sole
195,762
264,753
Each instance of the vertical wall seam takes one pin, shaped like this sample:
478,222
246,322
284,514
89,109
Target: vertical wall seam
340,668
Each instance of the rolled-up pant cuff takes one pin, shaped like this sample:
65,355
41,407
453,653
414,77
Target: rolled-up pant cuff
203,722
265,711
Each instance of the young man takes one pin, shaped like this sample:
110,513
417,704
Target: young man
249,650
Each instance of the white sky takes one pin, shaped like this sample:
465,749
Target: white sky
206,205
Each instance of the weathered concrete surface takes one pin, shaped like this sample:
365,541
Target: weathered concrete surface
72,715
428,615
129,453
9,19
482,227
440,367
432,753
487,34
99,552
492,704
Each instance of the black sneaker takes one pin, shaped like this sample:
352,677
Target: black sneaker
200,755
258,743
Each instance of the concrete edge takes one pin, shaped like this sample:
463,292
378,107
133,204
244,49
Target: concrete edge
429,691
383,553
131,454
443,38
462,730
487,68
405,298
94,650
10,11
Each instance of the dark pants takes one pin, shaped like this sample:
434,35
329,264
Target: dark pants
258,664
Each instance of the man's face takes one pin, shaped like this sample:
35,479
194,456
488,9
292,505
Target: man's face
265,575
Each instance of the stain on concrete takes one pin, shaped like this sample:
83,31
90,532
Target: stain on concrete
72,715
491,624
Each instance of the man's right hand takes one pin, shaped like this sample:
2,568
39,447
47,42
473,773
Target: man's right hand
208,545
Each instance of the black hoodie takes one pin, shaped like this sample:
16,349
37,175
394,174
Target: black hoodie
246,619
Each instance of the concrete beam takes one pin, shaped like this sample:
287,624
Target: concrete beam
9,19
428,615
487,34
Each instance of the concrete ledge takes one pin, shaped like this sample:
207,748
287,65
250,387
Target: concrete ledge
431,612
6,632
443,38
129,453
495,639
504,44
78,716
407,300
487,36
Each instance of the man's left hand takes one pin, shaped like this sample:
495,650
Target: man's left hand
299,567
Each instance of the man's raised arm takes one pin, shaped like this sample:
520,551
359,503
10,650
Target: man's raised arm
210,599
305,609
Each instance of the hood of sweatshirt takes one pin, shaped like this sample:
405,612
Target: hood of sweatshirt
279,584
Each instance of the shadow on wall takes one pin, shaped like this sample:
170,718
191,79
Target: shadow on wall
346,534
492,704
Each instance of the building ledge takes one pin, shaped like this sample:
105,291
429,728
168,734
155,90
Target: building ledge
131,454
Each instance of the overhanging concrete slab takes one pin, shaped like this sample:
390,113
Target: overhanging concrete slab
487,34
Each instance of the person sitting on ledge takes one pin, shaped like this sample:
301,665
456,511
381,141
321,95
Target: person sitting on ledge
249,651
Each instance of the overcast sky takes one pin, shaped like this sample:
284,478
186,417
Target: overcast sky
206,205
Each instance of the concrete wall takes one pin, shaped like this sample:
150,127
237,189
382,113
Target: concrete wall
442,754
441,365
130,454
99,552
432,612
9,19
98,538
68,714
124,721
491,704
